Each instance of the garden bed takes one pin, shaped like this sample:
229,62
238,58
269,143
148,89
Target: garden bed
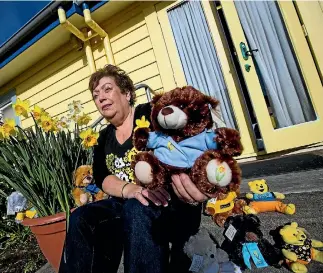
20,253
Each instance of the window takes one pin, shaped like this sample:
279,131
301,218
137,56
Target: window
6,111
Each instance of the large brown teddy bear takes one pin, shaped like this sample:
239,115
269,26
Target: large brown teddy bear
183,140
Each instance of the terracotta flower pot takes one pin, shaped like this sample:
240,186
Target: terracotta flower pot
50,232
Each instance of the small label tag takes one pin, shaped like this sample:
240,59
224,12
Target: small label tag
212,201
197,263
230,232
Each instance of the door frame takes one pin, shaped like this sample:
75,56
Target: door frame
231,80
297,135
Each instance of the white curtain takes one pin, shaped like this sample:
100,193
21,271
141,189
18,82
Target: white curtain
277,67
198,55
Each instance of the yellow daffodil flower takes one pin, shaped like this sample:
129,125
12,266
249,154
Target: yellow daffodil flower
38,112
21,108
142,123
1,133
89,137
75,107
55,127
8,128
47,123
83,120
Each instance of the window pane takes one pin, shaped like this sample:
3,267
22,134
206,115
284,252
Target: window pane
7,112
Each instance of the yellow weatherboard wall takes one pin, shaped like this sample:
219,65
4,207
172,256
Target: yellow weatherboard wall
64,75
143,45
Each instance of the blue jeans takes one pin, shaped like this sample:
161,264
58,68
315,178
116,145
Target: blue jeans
100,231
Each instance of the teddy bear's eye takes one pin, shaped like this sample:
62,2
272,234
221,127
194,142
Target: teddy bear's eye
212,256
294,234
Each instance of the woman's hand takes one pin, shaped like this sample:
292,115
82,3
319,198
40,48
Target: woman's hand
185,189
158,197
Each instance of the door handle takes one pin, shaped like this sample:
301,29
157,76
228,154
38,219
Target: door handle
245,52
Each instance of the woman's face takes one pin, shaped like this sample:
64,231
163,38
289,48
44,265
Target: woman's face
109,100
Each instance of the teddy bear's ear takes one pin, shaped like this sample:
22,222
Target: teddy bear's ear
250,183
254,218
264,181
294,225
156,98
212,101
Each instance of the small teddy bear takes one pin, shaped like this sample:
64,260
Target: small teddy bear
206,257
264,201
183,140
297,248
244,242
85,190
223,206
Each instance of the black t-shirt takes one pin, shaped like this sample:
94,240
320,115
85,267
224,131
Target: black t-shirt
112,158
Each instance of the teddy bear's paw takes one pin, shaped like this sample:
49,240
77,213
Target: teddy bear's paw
317,244
84,198
218,173
143,172
317,255
298,268
279,195
290,209
249,210
229,141
249,195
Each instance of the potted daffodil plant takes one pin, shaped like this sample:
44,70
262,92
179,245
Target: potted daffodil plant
39,162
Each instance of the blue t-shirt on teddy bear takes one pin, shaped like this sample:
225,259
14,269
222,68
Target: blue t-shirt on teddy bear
184,153
267,196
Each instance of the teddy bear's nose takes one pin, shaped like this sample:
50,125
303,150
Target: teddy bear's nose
167,111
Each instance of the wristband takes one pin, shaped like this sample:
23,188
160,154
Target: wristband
123,189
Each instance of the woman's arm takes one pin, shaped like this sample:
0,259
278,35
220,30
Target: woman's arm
114,186
100,170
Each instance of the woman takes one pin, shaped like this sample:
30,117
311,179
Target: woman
139,221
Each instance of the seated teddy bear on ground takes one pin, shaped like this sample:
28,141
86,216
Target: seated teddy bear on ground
206,256
296,247
262,200
85,190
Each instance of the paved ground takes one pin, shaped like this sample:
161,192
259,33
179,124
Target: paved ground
300,177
